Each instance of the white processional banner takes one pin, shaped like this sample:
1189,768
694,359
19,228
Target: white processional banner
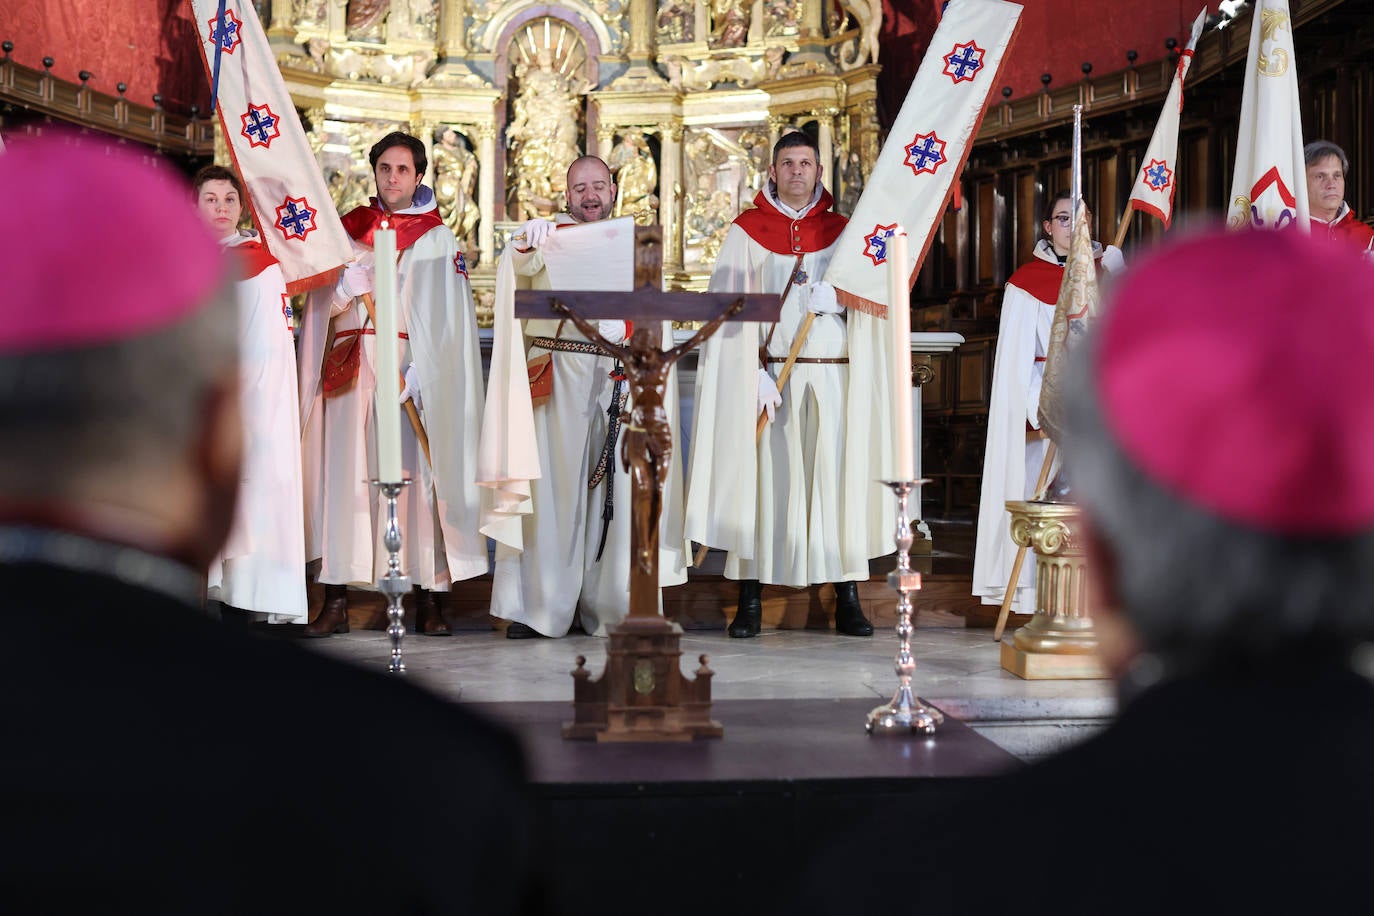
1269,185
286,189
925,150
1155,185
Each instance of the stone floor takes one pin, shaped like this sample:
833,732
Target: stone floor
957,666
957,671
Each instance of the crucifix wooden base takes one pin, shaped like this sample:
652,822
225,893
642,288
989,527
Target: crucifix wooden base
643,695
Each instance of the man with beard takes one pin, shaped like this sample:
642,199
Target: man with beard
438,513
551,565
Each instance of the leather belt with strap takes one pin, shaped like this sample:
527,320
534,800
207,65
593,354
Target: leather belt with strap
585,347
813,360
354,332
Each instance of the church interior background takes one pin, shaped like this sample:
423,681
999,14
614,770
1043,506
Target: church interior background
683,98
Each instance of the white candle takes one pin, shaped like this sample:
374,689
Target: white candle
387,410
899,312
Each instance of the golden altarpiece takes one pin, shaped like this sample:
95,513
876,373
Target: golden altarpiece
683,98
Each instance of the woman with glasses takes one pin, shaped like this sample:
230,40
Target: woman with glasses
1016,446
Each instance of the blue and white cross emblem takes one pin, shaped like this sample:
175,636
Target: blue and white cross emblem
964,62
228,36
260,125
925,153
1158,175
875,243
296,218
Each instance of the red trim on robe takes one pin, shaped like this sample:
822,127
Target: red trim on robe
253,258
360,222
781,234
1042,279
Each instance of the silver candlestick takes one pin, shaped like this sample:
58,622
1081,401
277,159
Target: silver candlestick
906,713
393,584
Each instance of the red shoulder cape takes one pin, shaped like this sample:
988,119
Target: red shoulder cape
781,234
1039,278
253,258
360,222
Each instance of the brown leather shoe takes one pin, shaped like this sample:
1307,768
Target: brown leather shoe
429,618
333,617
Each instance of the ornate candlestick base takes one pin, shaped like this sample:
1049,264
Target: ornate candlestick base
393,584
1059,641
906,713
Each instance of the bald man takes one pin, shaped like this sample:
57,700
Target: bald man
554,570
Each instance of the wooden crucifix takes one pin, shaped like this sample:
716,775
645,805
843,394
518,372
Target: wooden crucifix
642,695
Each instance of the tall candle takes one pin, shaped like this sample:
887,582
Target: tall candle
899,312
387,411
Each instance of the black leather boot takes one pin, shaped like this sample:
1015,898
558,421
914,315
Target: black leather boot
749,615
429,618
849,614
333,616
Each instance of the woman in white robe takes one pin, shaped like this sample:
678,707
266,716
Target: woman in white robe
262,566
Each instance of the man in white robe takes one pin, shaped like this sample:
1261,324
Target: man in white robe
1016,448
548,571
261,568
438,512
782,518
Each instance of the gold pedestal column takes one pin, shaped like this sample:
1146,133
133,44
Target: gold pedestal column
1059,641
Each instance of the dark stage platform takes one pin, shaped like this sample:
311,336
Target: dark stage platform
724,825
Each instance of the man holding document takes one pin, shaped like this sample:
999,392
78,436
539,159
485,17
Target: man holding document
562,527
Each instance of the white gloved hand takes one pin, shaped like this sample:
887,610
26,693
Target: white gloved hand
356,279
535,232
822,300
613,329
412,389
769,397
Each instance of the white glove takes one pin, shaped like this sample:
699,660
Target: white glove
769,397
355,280
535,232
412,390
822,300
613,329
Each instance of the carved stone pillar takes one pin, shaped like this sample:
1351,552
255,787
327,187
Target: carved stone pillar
1059,641
641,74
486,190
825,139
452,41
426,135
669,170
811,14
605,141
776,123
453,49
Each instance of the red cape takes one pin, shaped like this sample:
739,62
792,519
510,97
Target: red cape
253,258
360,222
781,234
1039,278
1347,229
1042,279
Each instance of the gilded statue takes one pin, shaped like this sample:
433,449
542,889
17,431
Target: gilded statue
542,136
853,181
676,21
729,23
365,19
455,184
636,177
